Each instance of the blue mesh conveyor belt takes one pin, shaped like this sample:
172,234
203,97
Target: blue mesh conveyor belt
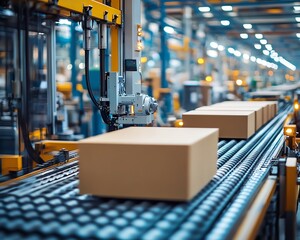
49,206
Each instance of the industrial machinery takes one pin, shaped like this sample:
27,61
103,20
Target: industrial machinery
253,194
30,102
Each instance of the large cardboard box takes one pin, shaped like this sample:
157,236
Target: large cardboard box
231,124
258,111
263,105
148,163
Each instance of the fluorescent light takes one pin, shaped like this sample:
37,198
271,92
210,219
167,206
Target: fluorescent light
297,19
169,29
246,56
258,60
266,52
208,15
204,9
244,35
221,48
212,53
263,41
257,46
247,26
227,8
213,45
231,50
269,47
298,35
64,22
287,64
225,22
252,59
297,8
237,53
259,36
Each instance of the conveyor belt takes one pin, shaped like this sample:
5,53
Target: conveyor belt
49,206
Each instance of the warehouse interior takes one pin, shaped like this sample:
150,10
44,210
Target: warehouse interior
147,119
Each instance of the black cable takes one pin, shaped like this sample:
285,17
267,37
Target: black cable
27,143
103,109
22,121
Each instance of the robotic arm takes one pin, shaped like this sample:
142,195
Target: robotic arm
121,101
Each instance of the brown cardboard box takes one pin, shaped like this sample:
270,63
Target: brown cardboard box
148,163
258,111
231,124
264,105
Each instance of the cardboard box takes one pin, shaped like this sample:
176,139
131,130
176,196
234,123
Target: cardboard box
231,124
264,105
258,111
148,163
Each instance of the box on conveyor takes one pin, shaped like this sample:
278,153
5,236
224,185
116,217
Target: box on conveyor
231,124
148,163
258,111
267,112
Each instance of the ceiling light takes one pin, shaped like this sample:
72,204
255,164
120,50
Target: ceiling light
297,19
169,29
204,9
231,50
247,26
212,53
244,35
257,46
213,45
227,8
266,52
246,56
225,22
298,35
263,41
252,59
259,36
64,22
269,47
297,8
237,53
208,15
221,48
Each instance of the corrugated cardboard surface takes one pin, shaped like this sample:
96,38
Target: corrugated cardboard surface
258,111
231,124
148,163
263,104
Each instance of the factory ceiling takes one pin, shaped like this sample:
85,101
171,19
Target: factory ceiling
248,23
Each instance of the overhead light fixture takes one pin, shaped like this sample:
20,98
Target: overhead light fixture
237,53
269,47
247,26
227,8
221,48
246,56
213,45
244,35
257,46
266,52
263,41
297,19
297,8
64,22
212,53
204,9
169,29
298,35
225,22
208,15
252,59
231,50
259,36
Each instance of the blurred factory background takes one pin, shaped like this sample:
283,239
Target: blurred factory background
72,70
